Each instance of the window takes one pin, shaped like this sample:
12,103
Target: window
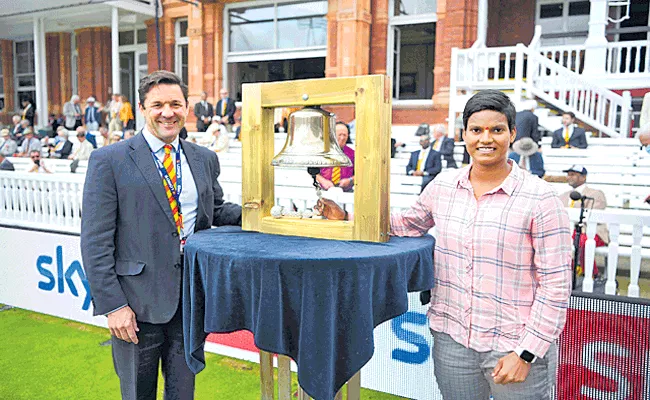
126,38
411,44
278,26
278,41
579,8
182,44
554,10
25,72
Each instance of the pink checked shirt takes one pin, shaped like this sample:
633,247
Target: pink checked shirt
502,262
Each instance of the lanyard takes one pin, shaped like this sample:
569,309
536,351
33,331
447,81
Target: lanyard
176,192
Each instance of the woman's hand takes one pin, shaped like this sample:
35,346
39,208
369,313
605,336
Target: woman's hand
330,210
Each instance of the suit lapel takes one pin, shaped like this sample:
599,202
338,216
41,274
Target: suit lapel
141,155
201,180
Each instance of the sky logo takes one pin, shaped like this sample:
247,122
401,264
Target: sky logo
62,277
421,354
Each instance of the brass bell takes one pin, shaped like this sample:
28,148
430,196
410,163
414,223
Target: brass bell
311,141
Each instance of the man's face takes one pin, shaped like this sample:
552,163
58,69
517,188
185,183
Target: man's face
223,93
6,137
488,138
24,123
567,120
438,134
165,110
341,135
29,136
575,179
35,156
61,134
204,96
81,138
91,104
425,142
16,119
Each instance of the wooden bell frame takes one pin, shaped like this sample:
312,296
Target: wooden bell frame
371,95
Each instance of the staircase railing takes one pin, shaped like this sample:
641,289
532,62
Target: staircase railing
519,68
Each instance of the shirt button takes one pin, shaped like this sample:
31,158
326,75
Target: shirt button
177,265
175,234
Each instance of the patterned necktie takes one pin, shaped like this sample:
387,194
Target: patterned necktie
418,165
168,164
336,175
566,136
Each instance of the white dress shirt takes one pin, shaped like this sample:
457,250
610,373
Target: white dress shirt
189,192
83,150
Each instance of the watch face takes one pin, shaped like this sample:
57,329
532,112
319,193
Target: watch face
527,356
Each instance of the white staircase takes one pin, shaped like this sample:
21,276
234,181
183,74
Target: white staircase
523,72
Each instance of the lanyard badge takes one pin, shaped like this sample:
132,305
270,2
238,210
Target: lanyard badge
176,192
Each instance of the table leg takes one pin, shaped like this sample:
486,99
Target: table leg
354,387
284,377
302,395
266,375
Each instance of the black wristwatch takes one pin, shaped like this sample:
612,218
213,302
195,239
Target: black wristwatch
527,356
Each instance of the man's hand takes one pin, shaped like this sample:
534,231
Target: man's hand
330,210
224,119
418,173
123,326
344,183
510,369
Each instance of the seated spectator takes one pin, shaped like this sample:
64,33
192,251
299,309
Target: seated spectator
29,144
394,144
444,145
644,136
82,151
5,165
104,137
115,137
63,146
221,141
17,126
426,163
570,136
577,179
129,133
37,165
237,128
8,146
342,177
20,136
525,152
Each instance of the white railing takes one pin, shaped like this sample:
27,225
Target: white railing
522,68
628,58
617,221
53,202
597,106
569,56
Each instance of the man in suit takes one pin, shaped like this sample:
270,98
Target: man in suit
18,126
226,109
527,125
133,229
28,112
63,147
92,116
72,112
29,144
426,163
577,179
203,112
444,145
570,136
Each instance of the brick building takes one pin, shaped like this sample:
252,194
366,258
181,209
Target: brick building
50,52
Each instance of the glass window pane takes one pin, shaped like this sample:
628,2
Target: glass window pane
184,63
579,8
22,47
182,28
2,103
303,32
26,81
142,36
414,7
126,38
416,56
247,15
302,9
250,37
142,59
551,10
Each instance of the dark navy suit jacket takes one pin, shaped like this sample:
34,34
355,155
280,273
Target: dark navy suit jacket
432,165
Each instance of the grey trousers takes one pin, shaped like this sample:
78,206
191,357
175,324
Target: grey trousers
465,374
137,364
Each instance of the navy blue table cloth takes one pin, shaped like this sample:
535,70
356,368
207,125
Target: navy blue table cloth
314,300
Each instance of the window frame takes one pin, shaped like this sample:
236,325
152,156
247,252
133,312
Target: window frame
401,20
18,88
179,43
2,87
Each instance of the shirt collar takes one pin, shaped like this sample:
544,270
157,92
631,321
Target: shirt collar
580,189
508,186
156,144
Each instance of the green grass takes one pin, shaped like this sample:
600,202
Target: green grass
43,357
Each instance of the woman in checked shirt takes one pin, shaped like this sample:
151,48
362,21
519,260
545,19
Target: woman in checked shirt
502,264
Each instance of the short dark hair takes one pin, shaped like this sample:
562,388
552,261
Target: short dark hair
570,114
160,78
490,100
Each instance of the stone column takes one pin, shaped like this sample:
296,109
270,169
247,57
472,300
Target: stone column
379,37
7,57
95,63
596,43
353,21
59,78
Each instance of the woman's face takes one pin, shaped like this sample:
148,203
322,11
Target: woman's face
341,135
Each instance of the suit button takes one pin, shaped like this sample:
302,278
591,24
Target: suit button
175,234
177,265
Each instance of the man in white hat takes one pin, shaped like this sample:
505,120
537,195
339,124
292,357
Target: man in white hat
525,152
92,116
593,198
